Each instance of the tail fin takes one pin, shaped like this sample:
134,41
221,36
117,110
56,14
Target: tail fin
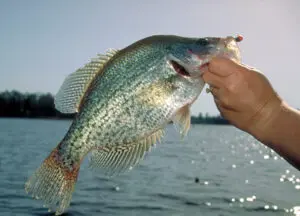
53,182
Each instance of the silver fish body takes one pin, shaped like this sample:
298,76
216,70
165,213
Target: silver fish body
123,100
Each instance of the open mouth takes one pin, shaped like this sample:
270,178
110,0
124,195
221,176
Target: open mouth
179,69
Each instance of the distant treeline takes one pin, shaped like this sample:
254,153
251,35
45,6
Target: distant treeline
37,105
29,105
207,119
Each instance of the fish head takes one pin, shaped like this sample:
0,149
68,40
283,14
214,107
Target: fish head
186,58
189,56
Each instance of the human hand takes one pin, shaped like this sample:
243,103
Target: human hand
243,95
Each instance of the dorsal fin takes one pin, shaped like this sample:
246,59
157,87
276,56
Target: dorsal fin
116,159
69,96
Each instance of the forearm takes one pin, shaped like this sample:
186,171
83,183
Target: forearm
281,132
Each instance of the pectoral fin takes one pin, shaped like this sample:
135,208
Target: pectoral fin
182,120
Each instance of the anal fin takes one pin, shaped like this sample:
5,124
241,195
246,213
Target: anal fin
117,159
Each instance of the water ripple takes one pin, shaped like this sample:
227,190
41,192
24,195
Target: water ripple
260,182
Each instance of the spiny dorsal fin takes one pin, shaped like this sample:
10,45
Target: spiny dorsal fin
68,98
116,159
182,120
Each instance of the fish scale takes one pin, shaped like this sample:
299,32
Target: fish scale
123,100
117,105
102,120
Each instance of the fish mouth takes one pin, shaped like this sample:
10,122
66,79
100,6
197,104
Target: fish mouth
189,71
228,48
225,47
179,69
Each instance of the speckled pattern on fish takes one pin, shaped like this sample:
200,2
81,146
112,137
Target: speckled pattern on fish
123,100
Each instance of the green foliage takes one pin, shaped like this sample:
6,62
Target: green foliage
207,119
30,105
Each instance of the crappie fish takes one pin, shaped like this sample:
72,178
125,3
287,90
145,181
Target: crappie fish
123,100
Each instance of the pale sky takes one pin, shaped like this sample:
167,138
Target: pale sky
41,42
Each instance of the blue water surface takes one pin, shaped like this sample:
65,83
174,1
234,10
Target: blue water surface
237,175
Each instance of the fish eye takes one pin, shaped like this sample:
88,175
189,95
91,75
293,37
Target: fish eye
202,42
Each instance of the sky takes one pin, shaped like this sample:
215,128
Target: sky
41,42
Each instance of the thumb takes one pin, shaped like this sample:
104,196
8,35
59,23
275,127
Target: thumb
223,66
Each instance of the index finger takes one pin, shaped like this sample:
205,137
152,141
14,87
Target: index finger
223,66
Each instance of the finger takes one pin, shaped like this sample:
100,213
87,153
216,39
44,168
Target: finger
222,102
226,107
214,91
212,79
250,68
204,68
219,107
223,66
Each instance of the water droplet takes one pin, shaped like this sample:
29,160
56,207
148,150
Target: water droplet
208,203
252,162
275,158
287,171
206,182
254,197
233,166
246,181
266,157
267,207
192,162
275,207
297,187
296,210
117,188
297,180
242,200
281,179
250,199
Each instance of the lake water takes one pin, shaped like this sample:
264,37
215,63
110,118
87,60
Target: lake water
237,175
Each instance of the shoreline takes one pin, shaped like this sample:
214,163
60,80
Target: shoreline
70,119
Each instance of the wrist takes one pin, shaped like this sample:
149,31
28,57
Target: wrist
266,119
